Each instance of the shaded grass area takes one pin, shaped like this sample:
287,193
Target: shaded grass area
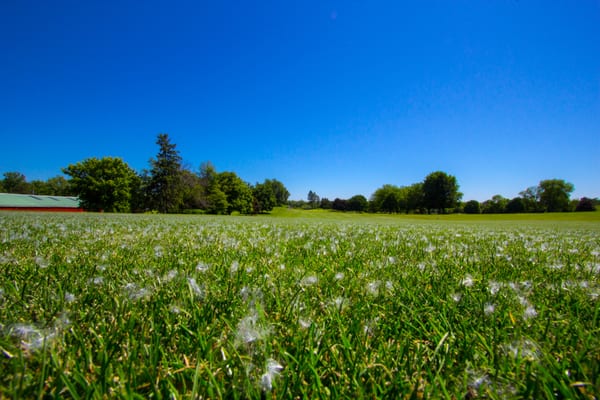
317,304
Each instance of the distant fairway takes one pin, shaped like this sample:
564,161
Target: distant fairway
564,219
300,304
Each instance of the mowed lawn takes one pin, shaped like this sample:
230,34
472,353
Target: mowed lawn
299,304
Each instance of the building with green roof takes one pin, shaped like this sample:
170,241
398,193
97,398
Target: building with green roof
33,202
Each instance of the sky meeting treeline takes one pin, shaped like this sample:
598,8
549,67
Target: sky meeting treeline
109,184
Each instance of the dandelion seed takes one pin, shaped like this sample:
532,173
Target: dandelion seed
175,310
530,312
480,380
309,281
41,262
339,303
31,338
369,327
373,288
468,281
526,285
201,267
172,274
234,267
489,309
62,321
158,251
523,301
196,290
456,297
339,276
266,382
304,323
134,292
249,331
69,297
245,293
525,349
273,367
97,280
494,287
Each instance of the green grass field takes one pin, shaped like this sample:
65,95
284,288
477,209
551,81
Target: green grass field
299,304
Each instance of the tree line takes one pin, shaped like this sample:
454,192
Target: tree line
550,195
109,184
439,193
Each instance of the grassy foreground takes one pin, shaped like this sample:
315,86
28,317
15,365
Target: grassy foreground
311,305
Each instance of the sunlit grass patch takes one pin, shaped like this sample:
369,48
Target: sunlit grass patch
208,307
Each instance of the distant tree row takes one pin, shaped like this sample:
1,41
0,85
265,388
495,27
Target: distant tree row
550,195
438,193
109,184
15,182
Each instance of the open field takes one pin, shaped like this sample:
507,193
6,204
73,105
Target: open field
299,305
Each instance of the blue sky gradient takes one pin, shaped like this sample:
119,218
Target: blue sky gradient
338,97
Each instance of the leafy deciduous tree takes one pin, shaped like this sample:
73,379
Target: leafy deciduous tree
472,207
358,203
515,205
554,194
215,198
313,199
339,204
237,192
326,204
103,184
496,205
386,199
193,193
279,190
15,182
440,191
264,197
413,197
531,199
585,204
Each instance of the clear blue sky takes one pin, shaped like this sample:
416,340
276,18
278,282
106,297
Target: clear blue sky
338,97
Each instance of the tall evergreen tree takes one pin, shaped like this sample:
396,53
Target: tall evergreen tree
165,186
